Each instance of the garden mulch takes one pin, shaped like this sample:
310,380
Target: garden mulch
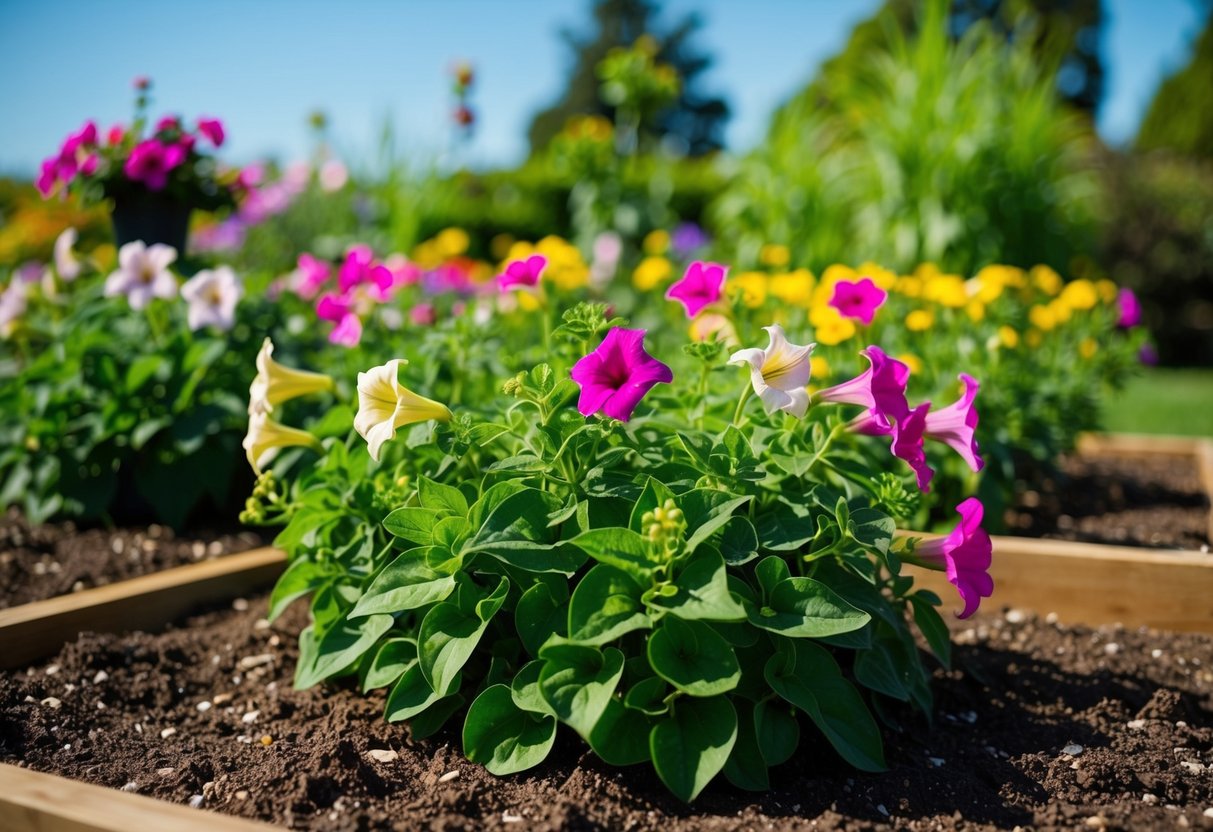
46,560
1146,501
1038,725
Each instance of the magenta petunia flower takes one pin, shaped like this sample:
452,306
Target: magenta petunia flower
1130,309
115,135
212,128
907,433
168,123
348,332
310,276
881,387
151,162
522,272
702,285
955,424
332,307
965,556
858,300
617,375
360,267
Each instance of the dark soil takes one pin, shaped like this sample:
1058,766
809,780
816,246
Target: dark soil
38,562
1149,501
1039,726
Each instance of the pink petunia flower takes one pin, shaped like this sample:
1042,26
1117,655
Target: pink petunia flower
168,123
151,162
617,375
348,332
310,276
965,556
702,285
332,307
881,387
858,300
907,434
212,128
423,314
115,135
1130,309
522,272
143,274
955,424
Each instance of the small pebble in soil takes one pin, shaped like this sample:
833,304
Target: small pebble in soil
196,801
167,732
52,669
52,703
132,786
240,604
250,717
382,755
166,771
449,776
249,662
510,817
100,677
203,706
1149,799
1136,724
1111,648
1072,750
242,794
266,739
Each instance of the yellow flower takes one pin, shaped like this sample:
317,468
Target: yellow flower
528,301
1080,294
520,250
820,368
1045,279
427,255
911,287
751,285
912,361
920,320
656,242
774,255
452,242
275,384
988,284
1033,338
566,268
384,405
650,273
1088,348
946,290
1042,317
794,288
1008,337
881,276
925,271
1061,310
1108,291
830,327
265,438
976,310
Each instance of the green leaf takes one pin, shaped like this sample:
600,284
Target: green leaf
739,542
805,608
653,496
703,591
706,515
807,676
517,532
877,668
450,632
872,528
578,681
433,495
605,605
525,689
142,369
300,578
777,731
431,720
693,657
746,768
621,735
620,548
692,745
648,696
481,435
521,465
540,614
394,657
411,695
933,628
786,528
413,524
407,583
771,571
490,500
341,647
504,738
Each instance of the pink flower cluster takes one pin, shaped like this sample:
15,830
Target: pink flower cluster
76,156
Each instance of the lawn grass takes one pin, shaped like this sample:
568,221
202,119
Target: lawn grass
1164,401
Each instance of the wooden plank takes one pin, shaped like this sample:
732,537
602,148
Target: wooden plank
1092,584
1140,444
31,631
31,801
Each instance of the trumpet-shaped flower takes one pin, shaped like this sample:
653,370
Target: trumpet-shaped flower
955,424
858,300
779,373
266,437
276,383
964,554
66,263
617,375
143,274
522,272
212,296
385,405
880,388
703,284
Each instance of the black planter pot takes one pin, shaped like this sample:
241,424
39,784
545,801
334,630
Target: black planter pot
152,218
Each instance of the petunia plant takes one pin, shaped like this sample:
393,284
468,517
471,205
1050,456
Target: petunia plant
620,545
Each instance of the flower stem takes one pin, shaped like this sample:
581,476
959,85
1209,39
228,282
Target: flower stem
746,392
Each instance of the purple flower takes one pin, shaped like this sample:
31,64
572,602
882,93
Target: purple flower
151,162
858,300
1130,309
702,285
687,238
522,272
955,424
907,432
965,556
212,128
143,274
880,388
1148,355
617,375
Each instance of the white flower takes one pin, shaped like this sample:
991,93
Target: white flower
265,437
779,373
212,296
384,405
66,263
276,383
143,274
12,307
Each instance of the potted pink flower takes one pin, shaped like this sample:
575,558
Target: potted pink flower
153,174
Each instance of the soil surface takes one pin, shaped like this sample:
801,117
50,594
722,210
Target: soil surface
1149,501
1038,725
38,562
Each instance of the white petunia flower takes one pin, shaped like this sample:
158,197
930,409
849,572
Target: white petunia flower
779,373
66,263
275,383
384,405
143,274
212,298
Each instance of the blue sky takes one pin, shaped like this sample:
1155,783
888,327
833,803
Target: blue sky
263,66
